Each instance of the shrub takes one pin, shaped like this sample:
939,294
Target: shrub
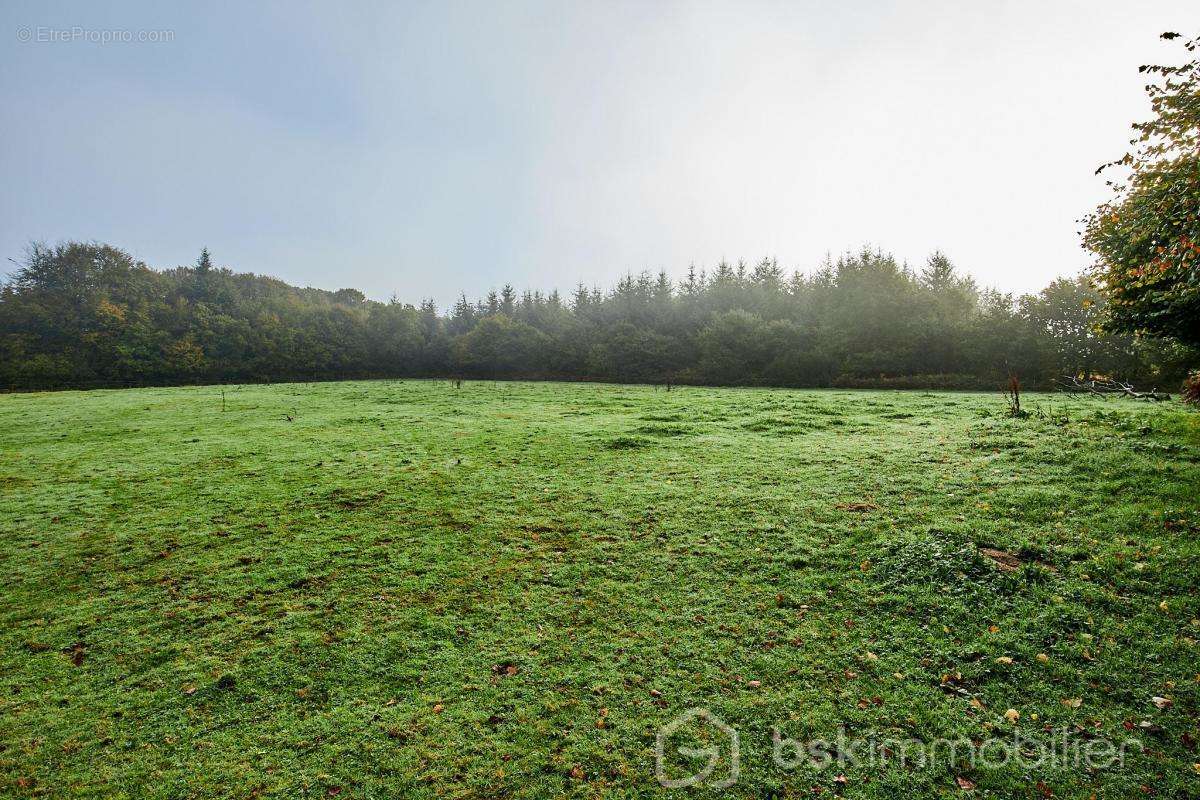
1191,389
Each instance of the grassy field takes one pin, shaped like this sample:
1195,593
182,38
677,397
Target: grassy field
400,589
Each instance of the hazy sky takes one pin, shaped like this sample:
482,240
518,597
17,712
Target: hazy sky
428,148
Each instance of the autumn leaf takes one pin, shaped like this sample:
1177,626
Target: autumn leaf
77,653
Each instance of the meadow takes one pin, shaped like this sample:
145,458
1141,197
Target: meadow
408,589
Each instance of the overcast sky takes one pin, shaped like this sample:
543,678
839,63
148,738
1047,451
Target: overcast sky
426,149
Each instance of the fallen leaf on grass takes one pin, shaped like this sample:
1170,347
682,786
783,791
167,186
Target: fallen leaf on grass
77,652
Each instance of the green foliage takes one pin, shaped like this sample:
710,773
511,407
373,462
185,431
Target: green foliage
499,345
1147,238
204,262
83,314
1191,389
503,590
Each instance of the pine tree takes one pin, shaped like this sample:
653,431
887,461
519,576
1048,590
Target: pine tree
204,263
938,272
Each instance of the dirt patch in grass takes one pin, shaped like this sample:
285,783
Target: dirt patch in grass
1004,560
349,500
628,443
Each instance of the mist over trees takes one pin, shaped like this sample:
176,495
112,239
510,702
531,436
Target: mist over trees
89,315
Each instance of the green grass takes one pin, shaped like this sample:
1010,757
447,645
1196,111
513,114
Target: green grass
505,590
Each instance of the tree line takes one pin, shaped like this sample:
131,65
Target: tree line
82,314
